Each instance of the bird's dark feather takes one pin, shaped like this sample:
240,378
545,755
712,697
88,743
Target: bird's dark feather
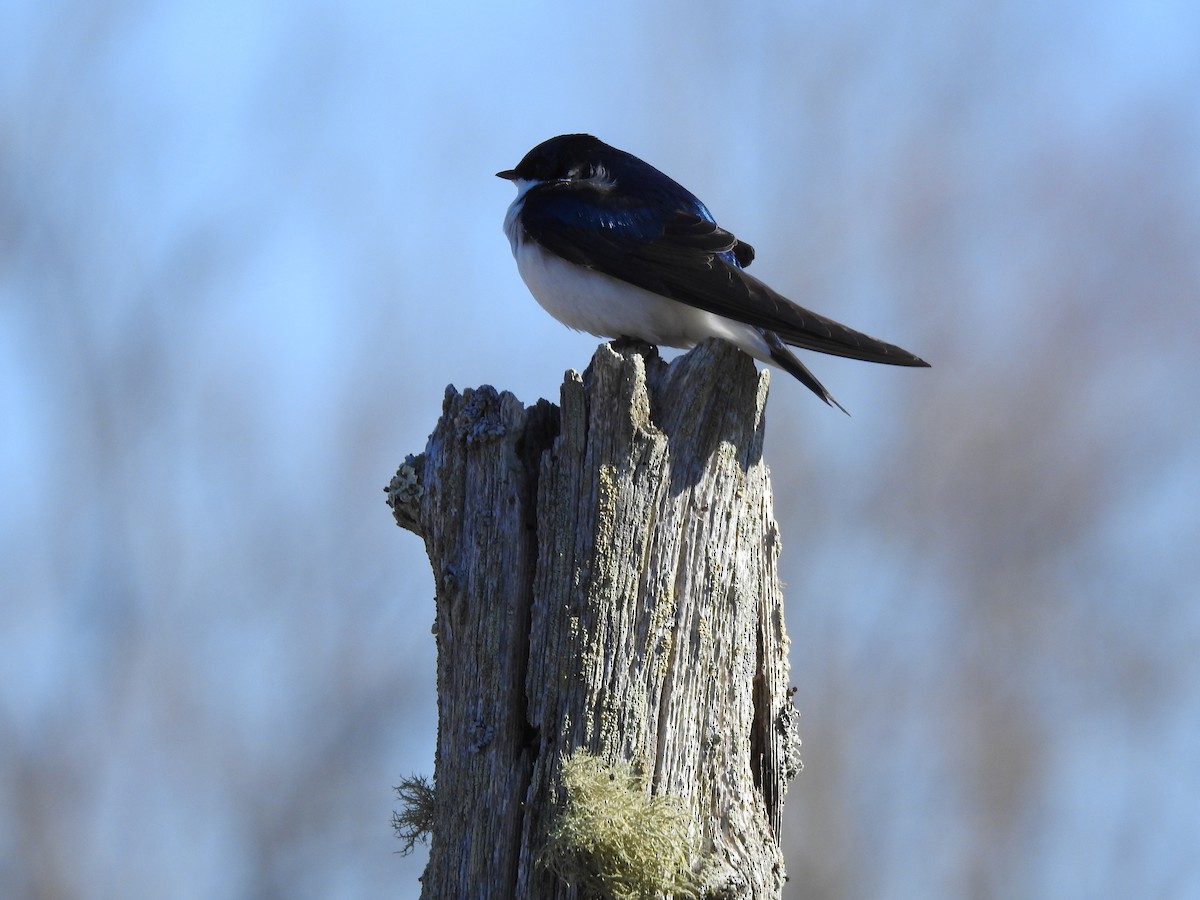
683,254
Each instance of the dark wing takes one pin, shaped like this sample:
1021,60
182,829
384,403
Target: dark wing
690,259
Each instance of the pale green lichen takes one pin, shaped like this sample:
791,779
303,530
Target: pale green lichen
612,840
406,485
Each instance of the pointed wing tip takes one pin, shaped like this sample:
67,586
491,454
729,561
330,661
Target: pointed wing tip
889,355
786,360
830,400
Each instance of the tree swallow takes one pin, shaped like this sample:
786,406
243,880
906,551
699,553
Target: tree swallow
609,245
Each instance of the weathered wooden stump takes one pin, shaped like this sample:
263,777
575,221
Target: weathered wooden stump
606,577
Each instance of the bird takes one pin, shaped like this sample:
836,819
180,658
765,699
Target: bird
610,245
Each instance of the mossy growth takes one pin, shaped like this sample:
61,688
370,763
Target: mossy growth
612,840
414,820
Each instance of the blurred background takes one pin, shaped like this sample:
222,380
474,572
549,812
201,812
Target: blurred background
245,246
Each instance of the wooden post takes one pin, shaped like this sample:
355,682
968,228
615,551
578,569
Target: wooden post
606,577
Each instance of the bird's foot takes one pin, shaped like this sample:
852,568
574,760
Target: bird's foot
637,345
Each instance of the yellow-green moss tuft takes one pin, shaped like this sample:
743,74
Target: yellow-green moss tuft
612,840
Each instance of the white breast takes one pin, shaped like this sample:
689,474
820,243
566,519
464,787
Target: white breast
599,304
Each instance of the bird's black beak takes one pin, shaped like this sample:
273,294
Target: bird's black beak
508,174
